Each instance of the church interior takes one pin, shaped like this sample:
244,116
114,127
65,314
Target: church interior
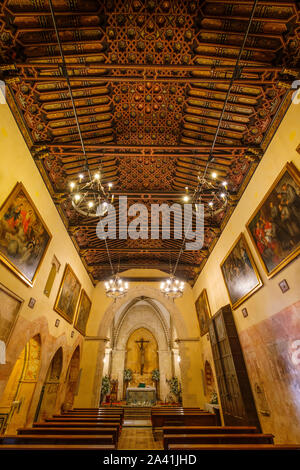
150,224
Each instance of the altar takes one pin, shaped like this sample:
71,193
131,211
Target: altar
141,396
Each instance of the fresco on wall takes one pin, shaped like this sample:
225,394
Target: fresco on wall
68,294
275,225
24,238
271,350
240,274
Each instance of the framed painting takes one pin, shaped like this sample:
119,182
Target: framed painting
203,312
83,311
274,227
24,237
240,273
9,311
68,294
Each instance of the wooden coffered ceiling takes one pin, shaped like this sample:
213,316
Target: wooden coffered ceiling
149,79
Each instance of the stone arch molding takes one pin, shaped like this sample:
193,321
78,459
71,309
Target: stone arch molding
120,341
149,293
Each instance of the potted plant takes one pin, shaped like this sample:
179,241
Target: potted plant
156,377
175,388
105,388
213,398
127,375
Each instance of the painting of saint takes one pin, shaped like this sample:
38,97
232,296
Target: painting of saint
83,311
68,294
203,312
275,226
240,273
24,238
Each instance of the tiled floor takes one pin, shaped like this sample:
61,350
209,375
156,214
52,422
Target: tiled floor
138,423
138,438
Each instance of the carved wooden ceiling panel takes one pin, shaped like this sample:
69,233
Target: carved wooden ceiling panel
149,80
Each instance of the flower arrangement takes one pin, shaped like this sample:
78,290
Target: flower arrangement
213,398
105,388
155,375
175,387
127,375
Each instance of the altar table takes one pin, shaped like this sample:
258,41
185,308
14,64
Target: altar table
141,396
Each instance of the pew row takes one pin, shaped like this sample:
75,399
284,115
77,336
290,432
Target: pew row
217,439
114,431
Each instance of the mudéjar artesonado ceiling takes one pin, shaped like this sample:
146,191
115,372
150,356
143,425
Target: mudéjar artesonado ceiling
149,80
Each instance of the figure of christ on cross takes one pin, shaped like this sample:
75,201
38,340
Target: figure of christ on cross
141,343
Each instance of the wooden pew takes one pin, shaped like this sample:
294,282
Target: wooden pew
76,424
217,439
58,439
230,447
114,431
160,420
209,429
55,448
83,420
183,419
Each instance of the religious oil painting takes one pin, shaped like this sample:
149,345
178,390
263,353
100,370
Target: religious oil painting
68,294
24,237
10,305
275,226
203,312
240,273
83,311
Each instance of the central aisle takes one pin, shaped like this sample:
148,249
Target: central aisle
138,438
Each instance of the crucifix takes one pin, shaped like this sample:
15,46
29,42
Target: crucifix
141,343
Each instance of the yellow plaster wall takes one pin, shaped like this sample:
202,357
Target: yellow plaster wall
267,301
16,164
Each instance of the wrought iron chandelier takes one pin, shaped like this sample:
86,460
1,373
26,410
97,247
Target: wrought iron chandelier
116,287
213,196
89,197
172,288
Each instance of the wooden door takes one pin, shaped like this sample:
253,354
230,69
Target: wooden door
236,396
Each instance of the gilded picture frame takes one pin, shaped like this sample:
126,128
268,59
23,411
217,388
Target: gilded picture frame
240,273
11,305
68,295
203,312
274,227
24,236
83,312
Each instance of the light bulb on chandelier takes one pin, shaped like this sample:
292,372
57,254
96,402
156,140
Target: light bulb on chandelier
116,287
172,287
89,198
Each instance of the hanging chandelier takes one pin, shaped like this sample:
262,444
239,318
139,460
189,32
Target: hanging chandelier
116,287
89,197
172,288
213,196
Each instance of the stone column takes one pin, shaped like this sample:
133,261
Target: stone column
190,367
117,369
91,366
165,368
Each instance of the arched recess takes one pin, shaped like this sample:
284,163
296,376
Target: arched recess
72,380
20,387
95,346
47,402
133,355
141,313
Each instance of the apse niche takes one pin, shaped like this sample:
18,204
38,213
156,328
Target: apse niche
145,324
